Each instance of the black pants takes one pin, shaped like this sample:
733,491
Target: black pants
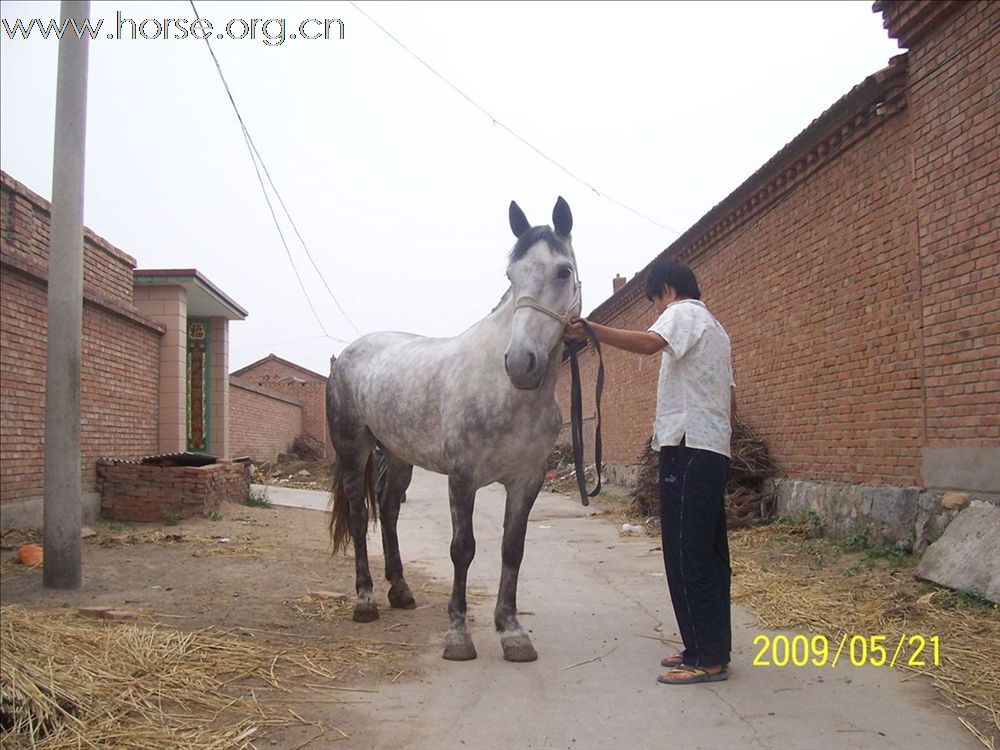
696,550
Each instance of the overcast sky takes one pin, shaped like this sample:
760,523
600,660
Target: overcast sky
399,185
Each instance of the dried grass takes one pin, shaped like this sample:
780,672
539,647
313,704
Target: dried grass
792,581
208,546
748,503
327,610
66,682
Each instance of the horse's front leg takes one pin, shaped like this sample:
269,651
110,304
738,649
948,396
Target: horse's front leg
520,498
458,644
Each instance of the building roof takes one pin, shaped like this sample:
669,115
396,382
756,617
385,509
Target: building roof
204,299
274,358
877,97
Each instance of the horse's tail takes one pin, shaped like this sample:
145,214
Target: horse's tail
340,517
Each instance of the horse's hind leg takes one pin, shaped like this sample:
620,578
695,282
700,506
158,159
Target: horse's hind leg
392,488
520,498
458,644
354,466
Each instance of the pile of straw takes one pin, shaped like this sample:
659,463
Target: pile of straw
747,502
66,682
794,582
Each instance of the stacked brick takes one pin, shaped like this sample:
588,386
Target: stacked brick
150,494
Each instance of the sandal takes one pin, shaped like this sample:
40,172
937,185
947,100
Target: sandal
672,662
691,676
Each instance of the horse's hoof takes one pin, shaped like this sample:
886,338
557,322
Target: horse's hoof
365,612
400,597
518,648
459,647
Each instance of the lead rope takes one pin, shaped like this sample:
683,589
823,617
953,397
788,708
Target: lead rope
576,412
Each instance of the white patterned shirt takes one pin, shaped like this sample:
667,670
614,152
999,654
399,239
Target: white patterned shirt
696,375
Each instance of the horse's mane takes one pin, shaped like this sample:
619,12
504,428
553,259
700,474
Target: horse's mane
556,242
506,296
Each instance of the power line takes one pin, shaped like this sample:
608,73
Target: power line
255,157
304,245
516,135
257,347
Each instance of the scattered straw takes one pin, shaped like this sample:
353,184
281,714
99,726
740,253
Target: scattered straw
327,610
205,546
591,661
792,581
67,682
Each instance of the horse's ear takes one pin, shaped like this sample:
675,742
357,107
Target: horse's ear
562,218
518,221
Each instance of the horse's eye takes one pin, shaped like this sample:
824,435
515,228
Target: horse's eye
564,273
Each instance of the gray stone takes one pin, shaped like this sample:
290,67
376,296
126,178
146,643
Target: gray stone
931,520
967,556
886,514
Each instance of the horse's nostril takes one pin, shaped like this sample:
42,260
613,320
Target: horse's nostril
531,361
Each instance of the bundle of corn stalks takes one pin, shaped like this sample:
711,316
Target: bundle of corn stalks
747,503
66,682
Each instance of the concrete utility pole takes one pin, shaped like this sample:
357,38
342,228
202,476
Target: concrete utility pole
63,569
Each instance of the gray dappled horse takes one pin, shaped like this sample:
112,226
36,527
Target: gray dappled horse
479,407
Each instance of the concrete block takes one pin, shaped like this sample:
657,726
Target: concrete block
967,556
975,467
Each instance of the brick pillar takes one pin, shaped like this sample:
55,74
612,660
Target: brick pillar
167,304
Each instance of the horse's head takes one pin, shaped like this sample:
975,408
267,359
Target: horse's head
545,290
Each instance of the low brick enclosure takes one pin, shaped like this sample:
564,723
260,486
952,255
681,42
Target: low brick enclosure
148,493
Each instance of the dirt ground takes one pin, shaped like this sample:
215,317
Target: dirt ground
252,571
256,584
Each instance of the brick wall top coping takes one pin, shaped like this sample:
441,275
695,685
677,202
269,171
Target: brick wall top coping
909,21
39,275
263,392
163,461
193,281
279,360
93,239
864,107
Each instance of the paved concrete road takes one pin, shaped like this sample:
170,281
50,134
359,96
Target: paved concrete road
587,594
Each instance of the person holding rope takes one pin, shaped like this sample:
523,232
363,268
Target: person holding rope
695,409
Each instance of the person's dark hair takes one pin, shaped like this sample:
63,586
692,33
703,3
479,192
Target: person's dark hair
674,274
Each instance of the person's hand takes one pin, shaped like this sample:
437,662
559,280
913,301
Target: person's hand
575,331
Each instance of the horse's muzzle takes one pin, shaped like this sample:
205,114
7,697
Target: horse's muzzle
524,370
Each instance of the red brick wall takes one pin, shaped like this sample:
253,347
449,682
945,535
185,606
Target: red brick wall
107,271
261,424
956,158
857,274
150,494
305,387
120,355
